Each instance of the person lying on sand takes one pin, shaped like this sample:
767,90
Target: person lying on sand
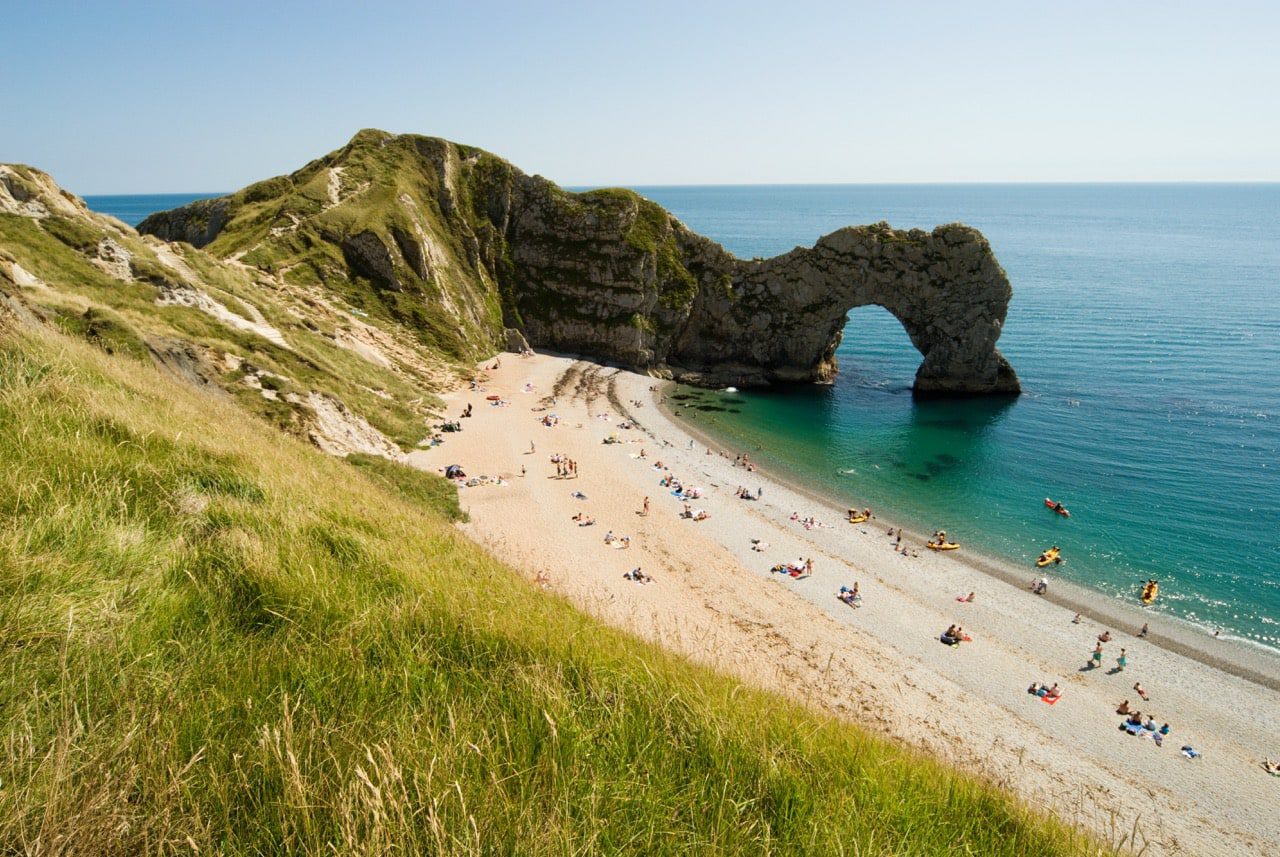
637,575
1138,689
1272,768
759,546
967,599
850,596
1046,692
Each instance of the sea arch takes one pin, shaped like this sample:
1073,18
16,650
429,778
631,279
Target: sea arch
784,317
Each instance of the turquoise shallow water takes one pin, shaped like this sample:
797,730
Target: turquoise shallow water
1145,327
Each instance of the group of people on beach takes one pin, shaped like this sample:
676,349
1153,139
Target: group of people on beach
809,523
566,468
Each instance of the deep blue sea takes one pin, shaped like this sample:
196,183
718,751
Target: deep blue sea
1145,326
133,209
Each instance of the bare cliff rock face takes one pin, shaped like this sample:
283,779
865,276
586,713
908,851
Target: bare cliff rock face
465,246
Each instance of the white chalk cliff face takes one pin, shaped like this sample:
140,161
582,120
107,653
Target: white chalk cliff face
467,242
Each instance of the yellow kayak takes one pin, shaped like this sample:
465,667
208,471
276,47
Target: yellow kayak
1150,592
1051,555
858,519
943,546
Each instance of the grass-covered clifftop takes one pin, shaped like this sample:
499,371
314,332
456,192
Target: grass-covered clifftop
217,639
457,244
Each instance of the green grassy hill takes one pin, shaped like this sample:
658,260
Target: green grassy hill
218,639
214,638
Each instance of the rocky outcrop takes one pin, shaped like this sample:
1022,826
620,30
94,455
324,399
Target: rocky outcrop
463,246
369,257
197,223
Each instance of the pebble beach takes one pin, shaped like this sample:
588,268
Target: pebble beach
714,598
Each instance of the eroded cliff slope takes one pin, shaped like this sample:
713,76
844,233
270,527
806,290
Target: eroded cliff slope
292,353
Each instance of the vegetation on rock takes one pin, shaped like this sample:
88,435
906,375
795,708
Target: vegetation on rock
458,245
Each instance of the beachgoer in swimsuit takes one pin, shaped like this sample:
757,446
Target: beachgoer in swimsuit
1138,689
1123,708
1122,661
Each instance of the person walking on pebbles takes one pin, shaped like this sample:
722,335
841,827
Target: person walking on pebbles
1095,660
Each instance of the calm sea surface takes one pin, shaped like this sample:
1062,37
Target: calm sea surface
1145,326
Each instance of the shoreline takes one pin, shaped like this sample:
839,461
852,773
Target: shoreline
714,600
1238,657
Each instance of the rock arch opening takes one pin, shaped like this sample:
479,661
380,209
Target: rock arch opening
875,350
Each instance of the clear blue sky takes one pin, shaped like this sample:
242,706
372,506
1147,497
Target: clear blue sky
185,96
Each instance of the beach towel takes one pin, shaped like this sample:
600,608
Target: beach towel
1133,728
1051,700
1190,752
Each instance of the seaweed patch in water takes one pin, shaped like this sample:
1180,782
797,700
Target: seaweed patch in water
708,408
923,477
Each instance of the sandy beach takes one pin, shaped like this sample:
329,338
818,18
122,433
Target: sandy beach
881,665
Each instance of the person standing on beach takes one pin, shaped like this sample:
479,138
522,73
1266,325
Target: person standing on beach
1143,632
1095,660
644,510
1122,661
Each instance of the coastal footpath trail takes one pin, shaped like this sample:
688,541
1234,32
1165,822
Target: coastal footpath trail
714,599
